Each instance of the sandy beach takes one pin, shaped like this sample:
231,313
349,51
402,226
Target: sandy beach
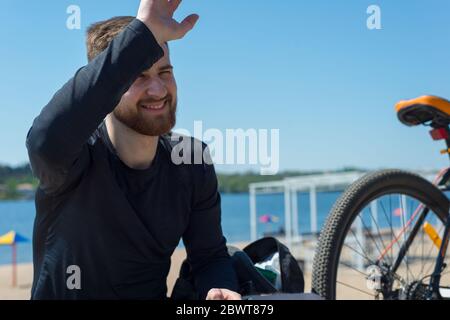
25,277
346,276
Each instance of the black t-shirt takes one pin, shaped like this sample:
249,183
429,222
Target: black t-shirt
111,227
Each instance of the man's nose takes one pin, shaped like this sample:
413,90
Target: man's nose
156,88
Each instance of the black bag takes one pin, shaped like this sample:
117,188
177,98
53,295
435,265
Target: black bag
251,280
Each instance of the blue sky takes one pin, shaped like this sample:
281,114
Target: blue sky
309,68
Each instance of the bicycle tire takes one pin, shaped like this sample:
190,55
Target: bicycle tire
346,208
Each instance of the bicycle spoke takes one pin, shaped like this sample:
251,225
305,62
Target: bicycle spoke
422,251
407,235
353,268
431,249
403,208
390,227
360,254
370,234
359,244
377,227
354,288
429,255
414,254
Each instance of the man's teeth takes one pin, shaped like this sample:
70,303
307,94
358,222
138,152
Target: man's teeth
154,107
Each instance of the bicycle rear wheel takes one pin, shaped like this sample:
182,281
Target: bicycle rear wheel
359,246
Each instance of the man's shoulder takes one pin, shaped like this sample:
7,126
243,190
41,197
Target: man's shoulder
188,153
191,156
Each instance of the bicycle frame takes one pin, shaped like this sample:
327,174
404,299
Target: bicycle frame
436,275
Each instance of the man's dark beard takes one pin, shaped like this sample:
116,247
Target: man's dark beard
149,126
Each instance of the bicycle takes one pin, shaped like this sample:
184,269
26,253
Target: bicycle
386,237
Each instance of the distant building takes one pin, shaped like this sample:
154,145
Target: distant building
26,190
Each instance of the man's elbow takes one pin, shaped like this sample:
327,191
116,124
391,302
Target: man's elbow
39,145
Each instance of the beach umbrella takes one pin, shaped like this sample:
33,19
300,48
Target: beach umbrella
267,218
12,238
398,212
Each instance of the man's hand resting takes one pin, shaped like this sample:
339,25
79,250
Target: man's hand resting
223,294
158,17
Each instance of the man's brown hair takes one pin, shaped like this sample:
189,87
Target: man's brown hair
100,34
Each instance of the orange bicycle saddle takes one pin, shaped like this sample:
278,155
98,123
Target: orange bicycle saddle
430,110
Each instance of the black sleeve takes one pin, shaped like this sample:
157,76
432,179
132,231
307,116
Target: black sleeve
204,241
57,140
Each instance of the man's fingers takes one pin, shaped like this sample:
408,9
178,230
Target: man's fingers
187,24
215,294
174,4
230,295
223,294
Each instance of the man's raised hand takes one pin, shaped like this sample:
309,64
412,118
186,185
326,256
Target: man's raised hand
158,17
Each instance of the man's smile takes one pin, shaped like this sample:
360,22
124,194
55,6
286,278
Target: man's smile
155,106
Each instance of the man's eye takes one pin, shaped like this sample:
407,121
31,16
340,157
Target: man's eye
166,72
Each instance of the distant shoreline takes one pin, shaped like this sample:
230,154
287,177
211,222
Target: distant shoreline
18,183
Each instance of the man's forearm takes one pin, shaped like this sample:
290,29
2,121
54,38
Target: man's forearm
219,273
76,110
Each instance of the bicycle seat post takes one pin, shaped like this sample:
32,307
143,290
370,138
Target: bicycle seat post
442,133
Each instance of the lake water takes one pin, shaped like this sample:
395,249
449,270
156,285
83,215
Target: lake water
19,216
